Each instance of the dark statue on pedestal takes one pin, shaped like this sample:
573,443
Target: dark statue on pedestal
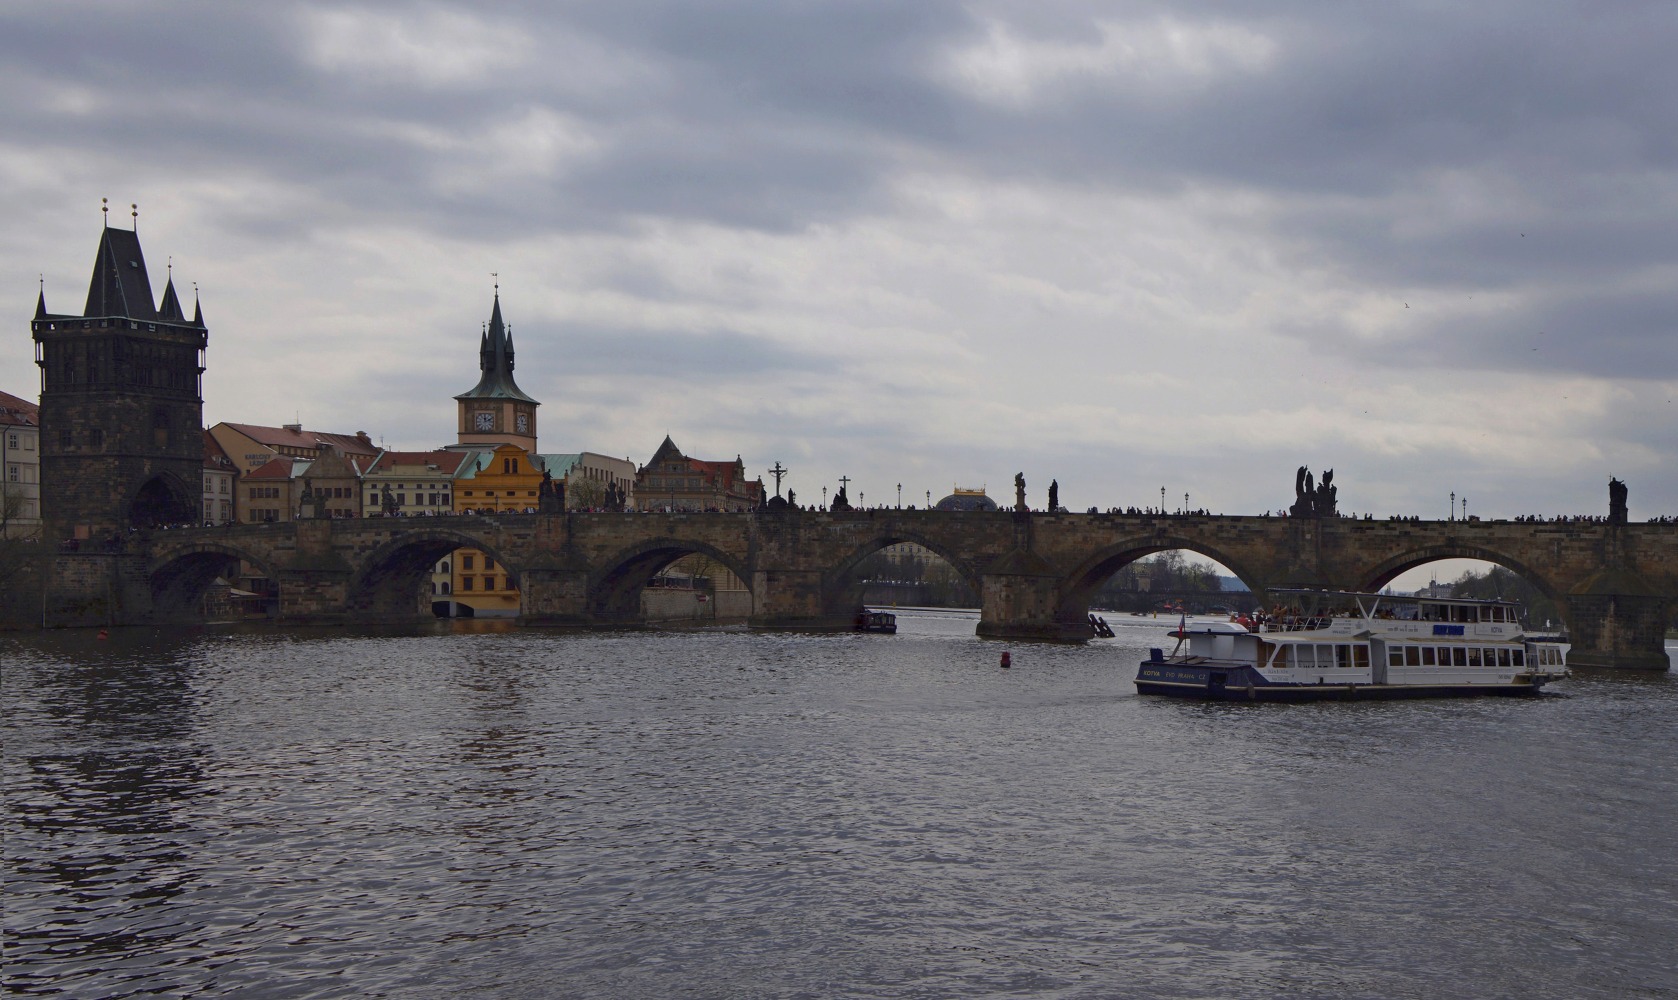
1311,500
1054,496
1617,513
840,502
550,494
1019,492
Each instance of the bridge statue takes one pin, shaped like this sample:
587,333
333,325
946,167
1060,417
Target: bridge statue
1019,492
1616,501
1311,500
1054,496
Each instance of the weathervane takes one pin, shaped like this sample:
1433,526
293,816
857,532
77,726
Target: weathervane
135,213
777,472
497,276
105,210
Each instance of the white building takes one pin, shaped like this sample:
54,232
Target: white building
20,468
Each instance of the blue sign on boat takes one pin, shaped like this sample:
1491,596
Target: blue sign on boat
1447,630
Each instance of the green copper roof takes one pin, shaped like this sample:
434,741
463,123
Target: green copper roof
495,360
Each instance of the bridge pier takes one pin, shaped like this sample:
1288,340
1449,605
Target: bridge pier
94,588
555,597
1617,632
795,599
1020,599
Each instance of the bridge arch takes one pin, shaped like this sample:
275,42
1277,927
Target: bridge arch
615,588
393,579
842,592
1086,578
1383,573
179,577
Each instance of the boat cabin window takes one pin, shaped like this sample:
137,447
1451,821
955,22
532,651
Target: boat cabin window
1434,613
1428,659
1517,657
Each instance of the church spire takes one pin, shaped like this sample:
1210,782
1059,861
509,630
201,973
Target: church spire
41,302
495,360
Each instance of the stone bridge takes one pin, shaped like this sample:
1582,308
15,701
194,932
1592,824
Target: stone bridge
1617,584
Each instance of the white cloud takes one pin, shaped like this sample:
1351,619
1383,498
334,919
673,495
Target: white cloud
1008,68
428,47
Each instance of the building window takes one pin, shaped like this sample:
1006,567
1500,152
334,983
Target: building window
466,562
489,583
13,441
465,583
489,563
13,473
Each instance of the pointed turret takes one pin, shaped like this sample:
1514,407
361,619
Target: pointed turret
120,286
197,310
495,360
41,304
170,310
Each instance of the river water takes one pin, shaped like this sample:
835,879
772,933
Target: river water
502,812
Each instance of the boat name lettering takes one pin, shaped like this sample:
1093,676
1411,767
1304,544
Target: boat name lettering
1447,630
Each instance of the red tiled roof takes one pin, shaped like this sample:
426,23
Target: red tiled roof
447,462
18,412
285,437
274,468
214,456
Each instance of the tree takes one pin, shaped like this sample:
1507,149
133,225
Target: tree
11,508
1498,583
584,494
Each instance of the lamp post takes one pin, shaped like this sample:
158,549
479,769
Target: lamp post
824,497
1162,499
928,499
1465,508
899,496
1453,505
1185,503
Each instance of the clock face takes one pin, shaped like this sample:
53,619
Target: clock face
524,423
484,420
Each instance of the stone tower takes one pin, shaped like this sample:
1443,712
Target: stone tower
122,442
496,411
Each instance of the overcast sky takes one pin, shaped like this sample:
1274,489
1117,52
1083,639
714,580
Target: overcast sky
1125,246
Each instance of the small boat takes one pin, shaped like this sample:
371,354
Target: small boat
1334,644
882,622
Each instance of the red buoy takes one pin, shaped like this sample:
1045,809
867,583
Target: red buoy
1007,660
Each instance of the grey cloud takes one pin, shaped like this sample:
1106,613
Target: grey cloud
551,352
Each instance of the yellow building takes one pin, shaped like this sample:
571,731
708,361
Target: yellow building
505,480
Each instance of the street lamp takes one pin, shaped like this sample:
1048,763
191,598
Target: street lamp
1453,505
899,496
928,499
1162,499
824,497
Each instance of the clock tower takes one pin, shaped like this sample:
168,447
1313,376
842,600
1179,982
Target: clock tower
496,411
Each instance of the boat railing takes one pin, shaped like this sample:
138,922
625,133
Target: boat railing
1299,624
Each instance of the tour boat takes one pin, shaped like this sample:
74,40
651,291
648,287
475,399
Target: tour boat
883,622
1331,644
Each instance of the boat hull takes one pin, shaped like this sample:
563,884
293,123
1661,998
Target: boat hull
1241,683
